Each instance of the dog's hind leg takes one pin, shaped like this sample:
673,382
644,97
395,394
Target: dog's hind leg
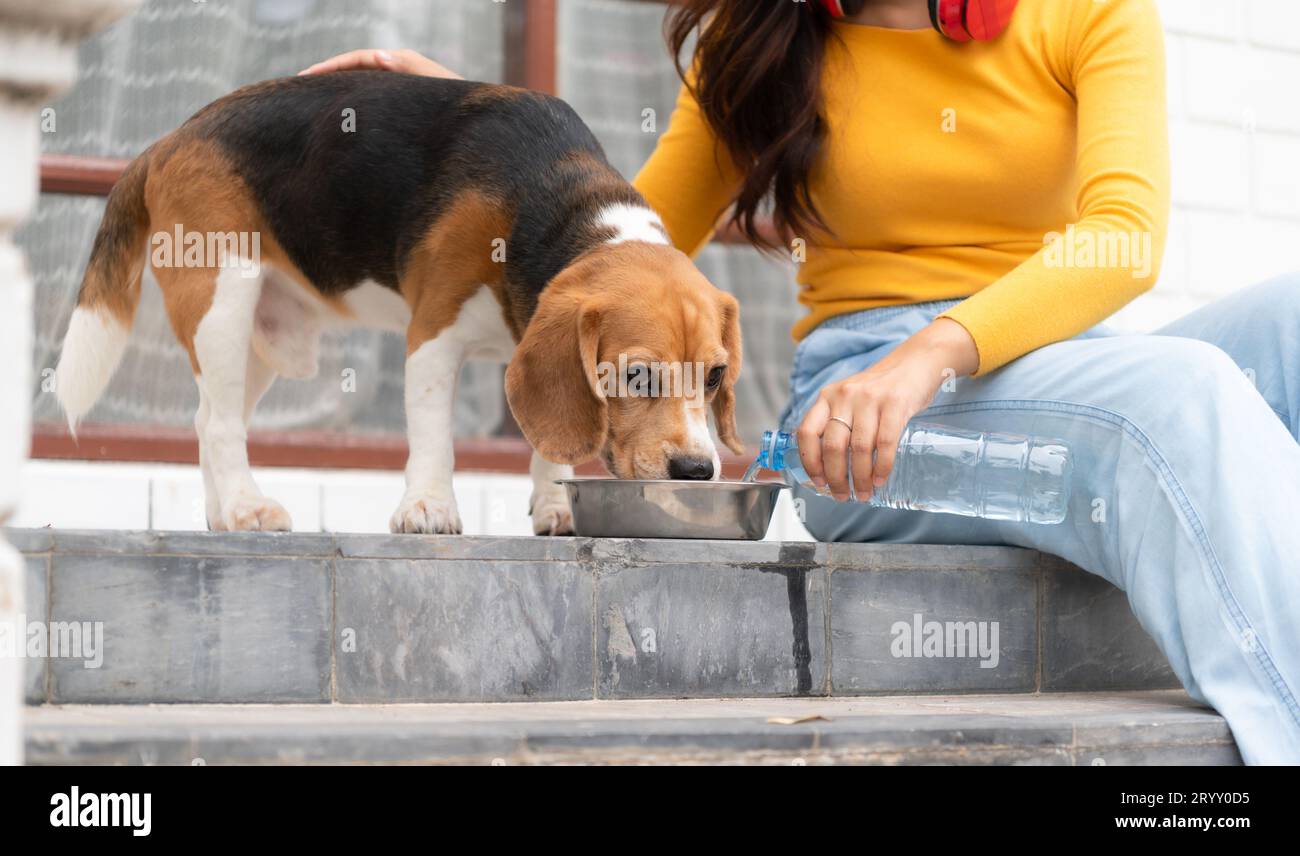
211,501
257,381
231,380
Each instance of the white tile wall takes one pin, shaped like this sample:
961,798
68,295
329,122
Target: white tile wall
359,502
86,495
1274,23
1213,18
1211,166
786,525
1275,174
1234,109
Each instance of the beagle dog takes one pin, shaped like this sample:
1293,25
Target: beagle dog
482,221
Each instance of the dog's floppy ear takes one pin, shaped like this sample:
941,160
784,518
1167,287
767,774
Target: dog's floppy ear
724,401
551,381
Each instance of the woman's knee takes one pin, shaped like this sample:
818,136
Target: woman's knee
1177,391
1169,365
1275,298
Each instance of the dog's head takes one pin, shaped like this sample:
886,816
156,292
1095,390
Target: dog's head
628,351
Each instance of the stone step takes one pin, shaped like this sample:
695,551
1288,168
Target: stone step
1162,727
288,618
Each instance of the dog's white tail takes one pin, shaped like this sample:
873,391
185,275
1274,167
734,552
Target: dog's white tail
92,349
110,292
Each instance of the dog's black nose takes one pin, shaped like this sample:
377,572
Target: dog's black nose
690,468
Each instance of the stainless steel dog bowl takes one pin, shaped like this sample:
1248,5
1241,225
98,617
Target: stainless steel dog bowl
631,508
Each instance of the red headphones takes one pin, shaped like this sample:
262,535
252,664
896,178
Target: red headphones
959,20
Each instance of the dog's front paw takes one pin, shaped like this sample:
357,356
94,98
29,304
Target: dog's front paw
551,515
256,514
427,513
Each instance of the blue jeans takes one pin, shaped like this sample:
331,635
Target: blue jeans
1186,489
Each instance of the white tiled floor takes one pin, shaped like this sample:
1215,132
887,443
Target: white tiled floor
84,495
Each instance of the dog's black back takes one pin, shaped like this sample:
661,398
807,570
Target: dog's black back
351,168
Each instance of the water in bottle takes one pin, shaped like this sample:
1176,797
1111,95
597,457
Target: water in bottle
954,471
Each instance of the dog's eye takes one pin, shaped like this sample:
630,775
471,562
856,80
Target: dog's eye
715,376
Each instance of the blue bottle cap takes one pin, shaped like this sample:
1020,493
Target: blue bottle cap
775,444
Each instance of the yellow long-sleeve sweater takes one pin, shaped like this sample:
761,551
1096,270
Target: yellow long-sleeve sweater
949,167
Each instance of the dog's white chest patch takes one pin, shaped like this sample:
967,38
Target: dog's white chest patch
632,223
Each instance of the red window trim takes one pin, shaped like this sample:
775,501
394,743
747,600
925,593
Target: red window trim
306,449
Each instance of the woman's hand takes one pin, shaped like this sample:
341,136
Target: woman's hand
406,61
867,412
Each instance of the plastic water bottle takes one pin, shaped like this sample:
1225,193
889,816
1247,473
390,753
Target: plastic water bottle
952,471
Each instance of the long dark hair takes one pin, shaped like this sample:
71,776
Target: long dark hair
756,75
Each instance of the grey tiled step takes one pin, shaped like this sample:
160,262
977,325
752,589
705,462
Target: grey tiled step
1062,728
235,618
